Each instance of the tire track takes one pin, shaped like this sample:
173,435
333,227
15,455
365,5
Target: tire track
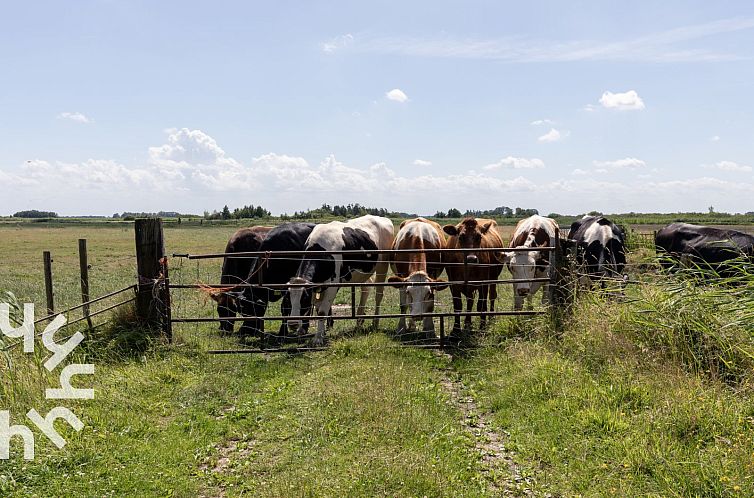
498,467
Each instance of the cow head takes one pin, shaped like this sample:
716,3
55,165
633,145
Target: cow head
525,265
469,233
301,302
419,294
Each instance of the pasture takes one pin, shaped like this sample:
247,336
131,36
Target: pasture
650,395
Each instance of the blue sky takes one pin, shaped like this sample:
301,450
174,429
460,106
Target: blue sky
116,105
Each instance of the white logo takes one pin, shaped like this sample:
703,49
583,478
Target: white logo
66,391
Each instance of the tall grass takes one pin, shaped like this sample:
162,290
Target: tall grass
700,317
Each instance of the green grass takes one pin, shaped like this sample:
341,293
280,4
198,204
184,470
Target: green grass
650,396
365,418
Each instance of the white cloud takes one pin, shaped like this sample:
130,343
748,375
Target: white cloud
728,166
397,95
516,163
337,43
663,46
542,121
714,138
627,163
579,172
422,162
626,101
76,117
551,136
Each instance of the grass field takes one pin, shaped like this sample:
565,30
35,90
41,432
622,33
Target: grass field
650,396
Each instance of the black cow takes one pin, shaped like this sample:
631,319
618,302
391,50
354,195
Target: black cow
707,247
236,270
600,247
253,301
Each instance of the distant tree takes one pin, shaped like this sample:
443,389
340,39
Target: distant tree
454,213
594,213
226,213
711,209
440,214
116,215
33,213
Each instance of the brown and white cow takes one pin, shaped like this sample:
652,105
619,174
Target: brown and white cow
473,233
533,232
420,270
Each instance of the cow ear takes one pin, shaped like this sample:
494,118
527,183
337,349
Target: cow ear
485,228
506,256
396,280
451,230
440,287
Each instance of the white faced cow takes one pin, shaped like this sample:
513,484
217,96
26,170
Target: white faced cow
420,270
533,232
367,233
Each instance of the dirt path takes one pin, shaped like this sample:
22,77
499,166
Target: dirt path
499,468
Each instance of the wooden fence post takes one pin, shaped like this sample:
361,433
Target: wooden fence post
84,268
150,249
47,259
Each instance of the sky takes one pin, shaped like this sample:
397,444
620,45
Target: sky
118,105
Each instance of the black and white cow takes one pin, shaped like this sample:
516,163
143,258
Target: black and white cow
708,247
600,248
367,233
253,301
531,233
236,270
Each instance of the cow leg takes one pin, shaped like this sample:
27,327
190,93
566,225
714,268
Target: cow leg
380,274
226,308
457,308
492,296
323,306
404,309
534,288
361,308
481,305
518,301
469,307
428,326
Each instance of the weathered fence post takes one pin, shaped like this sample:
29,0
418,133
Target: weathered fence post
150,249
84,268
47,259
559,292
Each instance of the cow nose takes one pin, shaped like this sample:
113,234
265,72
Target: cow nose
472,259
522,292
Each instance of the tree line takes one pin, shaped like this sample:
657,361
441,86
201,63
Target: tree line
498,212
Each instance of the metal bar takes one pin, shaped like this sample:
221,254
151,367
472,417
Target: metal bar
442,332
353,301
260,351
356,251
47,260
92,301
167,325
84,269
306,350
360,284
365,317
102,310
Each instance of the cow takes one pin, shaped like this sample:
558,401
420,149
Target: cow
367,233
707,247
253,301
600,248
531,233
236,270
472,233
420,270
